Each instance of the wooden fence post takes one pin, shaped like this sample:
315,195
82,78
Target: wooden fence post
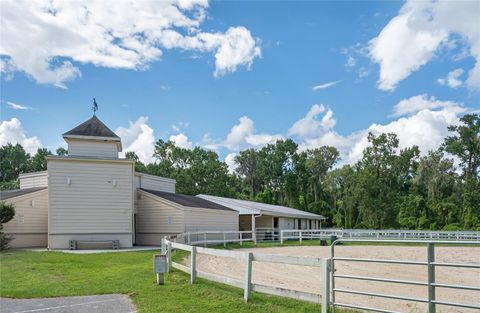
193,265
300,233
224,240
281,236
205,240
325,268
169,257
241,238
188,239
248,277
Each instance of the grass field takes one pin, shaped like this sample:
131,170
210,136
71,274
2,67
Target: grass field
27,274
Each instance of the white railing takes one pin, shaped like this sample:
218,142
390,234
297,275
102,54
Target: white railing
246,283
303,234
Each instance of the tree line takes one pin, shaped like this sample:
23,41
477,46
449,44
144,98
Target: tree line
387,188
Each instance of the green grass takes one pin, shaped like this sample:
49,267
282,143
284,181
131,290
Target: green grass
26,274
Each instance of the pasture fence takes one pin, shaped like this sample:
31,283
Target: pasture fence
247,258
430,284
327,233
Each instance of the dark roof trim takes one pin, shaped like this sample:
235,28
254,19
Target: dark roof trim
93,127
187,201
8,194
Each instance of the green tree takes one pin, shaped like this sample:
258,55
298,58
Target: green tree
7,212
13,161
61,151
39,161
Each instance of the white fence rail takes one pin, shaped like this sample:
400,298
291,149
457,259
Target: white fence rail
247,258
304,234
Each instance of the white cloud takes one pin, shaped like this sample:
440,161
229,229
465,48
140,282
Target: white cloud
112,34
239,133
138,137
230,161
310,126
16,106
181,141
13,132
411,39
325,86
260,140
423,102
452,80
424,125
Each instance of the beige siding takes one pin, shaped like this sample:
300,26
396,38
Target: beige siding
98,200
286,223
155,215
198,219
102,149
30,224
264,221
152,182
30,180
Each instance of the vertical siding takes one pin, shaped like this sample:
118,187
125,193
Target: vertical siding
30,224
92,148
91,203
286,223
30,180
264,221
199,219
154,215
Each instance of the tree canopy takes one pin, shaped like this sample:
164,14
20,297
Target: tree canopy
388,187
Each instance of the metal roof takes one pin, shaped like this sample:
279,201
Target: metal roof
251,207
187,201
7,194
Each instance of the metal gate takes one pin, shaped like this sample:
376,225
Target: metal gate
430,284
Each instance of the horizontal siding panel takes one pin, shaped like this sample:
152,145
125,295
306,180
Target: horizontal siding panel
90,203
199,219
28,218
40,180
92,148
155,216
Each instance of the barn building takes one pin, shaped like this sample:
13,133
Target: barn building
257,216
91,196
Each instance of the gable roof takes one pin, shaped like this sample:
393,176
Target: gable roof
187,201
7,194
252,207
92,127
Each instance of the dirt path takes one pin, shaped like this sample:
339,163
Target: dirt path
308,279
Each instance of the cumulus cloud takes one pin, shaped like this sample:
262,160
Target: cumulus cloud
239,132
13,132
423,102
423,123
16,106
452,80
310,125
112,34
181,141
325,86
411,39
243,134
138,137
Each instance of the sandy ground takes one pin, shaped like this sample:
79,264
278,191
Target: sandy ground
304,278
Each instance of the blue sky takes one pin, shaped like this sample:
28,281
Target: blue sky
231,93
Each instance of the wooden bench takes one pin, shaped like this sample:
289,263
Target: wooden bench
74,243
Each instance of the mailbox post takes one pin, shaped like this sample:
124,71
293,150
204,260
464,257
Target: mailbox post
159,267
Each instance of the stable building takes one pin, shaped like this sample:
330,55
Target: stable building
256,216
92,196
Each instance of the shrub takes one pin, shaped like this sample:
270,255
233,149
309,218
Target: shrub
7,212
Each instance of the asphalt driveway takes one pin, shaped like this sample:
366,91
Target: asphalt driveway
89,304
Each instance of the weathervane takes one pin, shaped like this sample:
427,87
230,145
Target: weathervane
95,106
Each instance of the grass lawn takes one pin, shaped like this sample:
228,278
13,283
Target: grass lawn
25,274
